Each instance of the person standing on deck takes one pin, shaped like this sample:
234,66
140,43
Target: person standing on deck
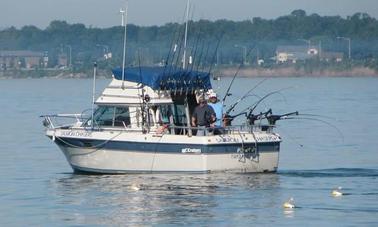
203,117
218,109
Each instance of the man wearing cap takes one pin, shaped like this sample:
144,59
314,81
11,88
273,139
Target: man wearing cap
203,116
218,109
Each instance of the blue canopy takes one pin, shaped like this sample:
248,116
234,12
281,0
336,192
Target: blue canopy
165,78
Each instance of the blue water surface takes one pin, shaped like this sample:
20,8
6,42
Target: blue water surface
334,145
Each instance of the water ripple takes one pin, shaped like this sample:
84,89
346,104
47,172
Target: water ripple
337,172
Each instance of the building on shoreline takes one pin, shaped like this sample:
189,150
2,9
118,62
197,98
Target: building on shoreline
332,56
292,54
22,59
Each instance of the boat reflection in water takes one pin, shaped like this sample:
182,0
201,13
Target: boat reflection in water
162,199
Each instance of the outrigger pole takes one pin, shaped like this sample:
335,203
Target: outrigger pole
188,120
186,35
93,91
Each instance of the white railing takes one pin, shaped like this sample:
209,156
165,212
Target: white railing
54,121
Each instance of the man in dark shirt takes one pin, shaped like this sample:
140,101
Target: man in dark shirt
203,116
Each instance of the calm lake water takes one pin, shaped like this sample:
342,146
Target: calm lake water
337,148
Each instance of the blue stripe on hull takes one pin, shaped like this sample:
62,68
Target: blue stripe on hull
164,147
85,170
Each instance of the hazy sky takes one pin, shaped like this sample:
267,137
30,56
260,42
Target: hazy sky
104,13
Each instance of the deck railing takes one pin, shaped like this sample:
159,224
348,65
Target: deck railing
66,121
54,121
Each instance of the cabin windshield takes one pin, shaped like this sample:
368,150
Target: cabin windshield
179,115
110,116
179,107
166,113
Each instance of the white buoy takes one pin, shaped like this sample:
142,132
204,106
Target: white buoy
289,204
337,192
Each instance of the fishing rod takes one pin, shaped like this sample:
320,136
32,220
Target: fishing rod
231,108
250,114
200,57
205,58
273,118
254,117
191,24
195,50
294,140
264,97
215,53
183,43
233,78
181,40
143,104
251,118
318,120
172,67
186,34
317,115
180,30
171,48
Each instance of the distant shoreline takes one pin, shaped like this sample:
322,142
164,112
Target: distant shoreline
293,72
223,72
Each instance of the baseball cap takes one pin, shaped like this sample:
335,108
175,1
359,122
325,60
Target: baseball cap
212,95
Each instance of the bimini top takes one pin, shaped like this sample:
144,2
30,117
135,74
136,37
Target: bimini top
166,78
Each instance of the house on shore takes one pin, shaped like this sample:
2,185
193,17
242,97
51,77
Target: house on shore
332,56
292,54
22,59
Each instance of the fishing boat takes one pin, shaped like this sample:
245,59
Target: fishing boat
141,124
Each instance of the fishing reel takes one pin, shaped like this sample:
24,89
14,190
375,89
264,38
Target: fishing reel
147,98
251,118
273,118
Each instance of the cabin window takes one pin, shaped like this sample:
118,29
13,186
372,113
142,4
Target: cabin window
166,113
122,116
111,116
104,116
179,115
159,115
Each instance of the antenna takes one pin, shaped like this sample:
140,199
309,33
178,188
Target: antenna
124,19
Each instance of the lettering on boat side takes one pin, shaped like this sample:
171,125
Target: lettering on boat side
226,139
191,150
267,138
76,134
246,150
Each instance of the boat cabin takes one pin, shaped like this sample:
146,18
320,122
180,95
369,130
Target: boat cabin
150,99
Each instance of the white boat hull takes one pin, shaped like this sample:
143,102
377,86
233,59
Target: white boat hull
115,161
102,152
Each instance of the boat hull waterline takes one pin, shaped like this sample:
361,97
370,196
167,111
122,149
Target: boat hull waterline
112,153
